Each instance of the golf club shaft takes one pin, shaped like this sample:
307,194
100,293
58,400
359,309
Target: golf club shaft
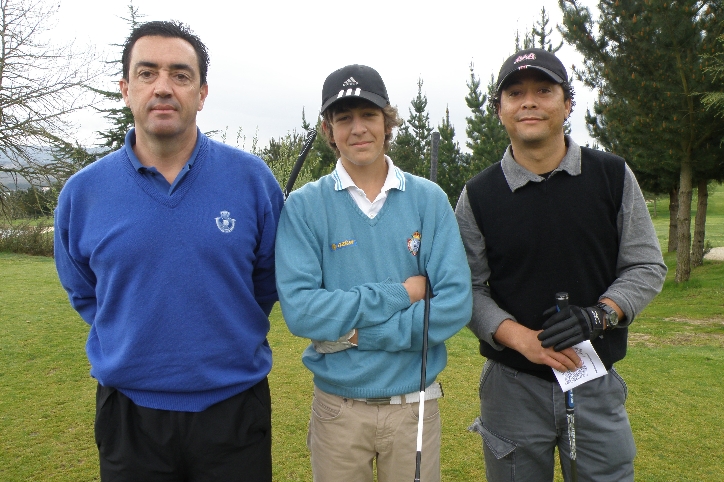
562,302
425,325
434,147
311,134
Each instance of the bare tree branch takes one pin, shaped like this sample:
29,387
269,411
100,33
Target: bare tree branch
41,84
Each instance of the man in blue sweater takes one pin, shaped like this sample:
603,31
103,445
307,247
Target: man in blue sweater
353,250
166,249
551,217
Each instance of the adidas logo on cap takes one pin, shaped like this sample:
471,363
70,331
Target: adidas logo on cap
349,82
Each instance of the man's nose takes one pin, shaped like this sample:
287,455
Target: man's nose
358,124
162,86
530,100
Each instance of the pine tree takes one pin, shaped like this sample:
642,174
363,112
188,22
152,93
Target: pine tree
541,33
644,57
120,116
410,149
715,99
487,138
453,165
403,150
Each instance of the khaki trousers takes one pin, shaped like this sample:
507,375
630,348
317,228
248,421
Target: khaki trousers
346,436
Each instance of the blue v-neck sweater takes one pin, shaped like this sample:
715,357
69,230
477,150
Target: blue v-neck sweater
337,269
176,288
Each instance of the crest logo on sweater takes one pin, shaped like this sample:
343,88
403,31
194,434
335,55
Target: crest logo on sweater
225,223
413,244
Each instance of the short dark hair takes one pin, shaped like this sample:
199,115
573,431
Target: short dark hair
171,29
392,119
568,93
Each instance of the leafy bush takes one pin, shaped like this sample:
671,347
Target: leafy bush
26,238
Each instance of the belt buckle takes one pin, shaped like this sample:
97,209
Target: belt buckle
378,401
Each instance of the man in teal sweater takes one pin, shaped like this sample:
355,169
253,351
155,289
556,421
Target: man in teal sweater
353,250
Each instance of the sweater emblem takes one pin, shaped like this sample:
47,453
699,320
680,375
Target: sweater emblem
343,244
413,244
225,223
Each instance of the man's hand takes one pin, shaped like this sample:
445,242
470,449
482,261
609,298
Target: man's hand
525,341
345,342
570,326
415,286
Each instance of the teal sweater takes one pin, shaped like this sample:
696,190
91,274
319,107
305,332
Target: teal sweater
338,270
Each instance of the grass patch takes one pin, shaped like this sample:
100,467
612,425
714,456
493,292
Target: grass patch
673,371
676,408
46,393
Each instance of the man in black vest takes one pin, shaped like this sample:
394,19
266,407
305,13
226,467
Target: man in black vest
551,217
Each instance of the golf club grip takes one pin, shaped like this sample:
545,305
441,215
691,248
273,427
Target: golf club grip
311,134
418,463
561,300
434,147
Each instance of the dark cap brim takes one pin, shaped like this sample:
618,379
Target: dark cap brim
555,77
378,100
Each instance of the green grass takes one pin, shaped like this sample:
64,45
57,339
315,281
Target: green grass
714,216
673,370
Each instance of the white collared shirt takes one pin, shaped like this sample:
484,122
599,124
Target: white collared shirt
395,180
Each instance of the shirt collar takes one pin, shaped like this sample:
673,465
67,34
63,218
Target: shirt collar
131,141
395,177
518,176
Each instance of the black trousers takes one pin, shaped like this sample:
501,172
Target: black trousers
229,441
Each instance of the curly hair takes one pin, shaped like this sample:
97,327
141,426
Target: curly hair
392,119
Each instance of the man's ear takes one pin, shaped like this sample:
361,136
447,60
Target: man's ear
123,85
202,94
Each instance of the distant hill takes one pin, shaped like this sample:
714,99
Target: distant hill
39,155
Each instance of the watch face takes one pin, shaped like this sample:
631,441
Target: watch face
611,315
612,319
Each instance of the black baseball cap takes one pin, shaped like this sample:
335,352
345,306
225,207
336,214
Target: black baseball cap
538,59
354,81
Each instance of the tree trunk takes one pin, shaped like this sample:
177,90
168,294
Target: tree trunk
683,223
673,212
697,245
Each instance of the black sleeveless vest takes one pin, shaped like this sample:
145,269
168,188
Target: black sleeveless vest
557,235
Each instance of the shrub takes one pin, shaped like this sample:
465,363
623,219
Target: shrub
26,238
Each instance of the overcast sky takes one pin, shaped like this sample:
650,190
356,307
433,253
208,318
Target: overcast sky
269,58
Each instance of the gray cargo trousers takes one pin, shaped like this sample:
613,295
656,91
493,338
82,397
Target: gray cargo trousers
523,420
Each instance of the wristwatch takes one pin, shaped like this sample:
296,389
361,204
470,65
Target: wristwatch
611,315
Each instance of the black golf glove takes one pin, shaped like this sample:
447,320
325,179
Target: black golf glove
570,326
